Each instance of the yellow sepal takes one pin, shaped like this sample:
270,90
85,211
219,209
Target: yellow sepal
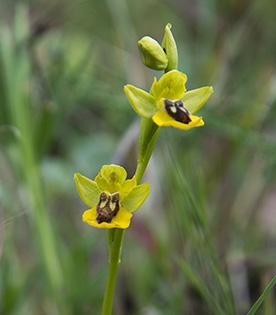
142,102
136,197
88,190
194,99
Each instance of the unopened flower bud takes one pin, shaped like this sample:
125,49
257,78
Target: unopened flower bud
169,47
153,55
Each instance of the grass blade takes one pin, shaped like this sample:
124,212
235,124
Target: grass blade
262,297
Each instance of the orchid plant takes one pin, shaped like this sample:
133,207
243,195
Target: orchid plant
111,197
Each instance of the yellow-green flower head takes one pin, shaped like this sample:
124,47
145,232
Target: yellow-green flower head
168,103
111,197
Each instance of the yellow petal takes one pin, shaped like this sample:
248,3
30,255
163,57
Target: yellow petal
111,177
136,197
88,190
113,173
193,100
154,86
171,85
120,221
161,118
103,184
127,187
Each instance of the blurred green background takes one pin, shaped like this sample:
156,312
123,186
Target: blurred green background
204,242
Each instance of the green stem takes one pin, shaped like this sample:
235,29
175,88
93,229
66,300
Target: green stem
148,134
115,242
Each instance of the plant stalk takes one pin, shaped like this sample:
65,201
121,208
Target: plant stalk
115,241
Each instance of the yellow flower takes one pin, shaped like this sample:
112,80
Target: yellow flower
168,103
111,197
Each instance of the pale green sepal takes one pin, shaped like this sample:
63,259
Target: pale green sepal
193,100
103,184
113,173
127,186
153,89
136,197
171,85
142,102
170,48
153,55
88,190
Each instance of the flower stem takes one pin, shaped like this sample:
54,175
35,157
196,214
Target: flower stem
148,135
115,245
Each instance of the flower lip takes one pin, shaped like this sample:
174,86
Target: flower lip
107,207
177,111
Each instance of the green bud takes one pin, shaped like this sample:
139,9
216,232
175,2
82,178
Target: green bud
153,55
169,46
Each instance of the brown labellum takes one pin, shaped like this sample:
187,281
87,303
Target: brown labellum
107,207
177,111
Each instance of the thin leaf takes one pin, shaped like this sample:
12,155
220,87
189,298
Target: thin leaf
262,297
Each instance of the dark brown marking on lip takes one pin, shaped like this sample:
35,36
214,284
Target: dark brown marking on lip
177,111
107,207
